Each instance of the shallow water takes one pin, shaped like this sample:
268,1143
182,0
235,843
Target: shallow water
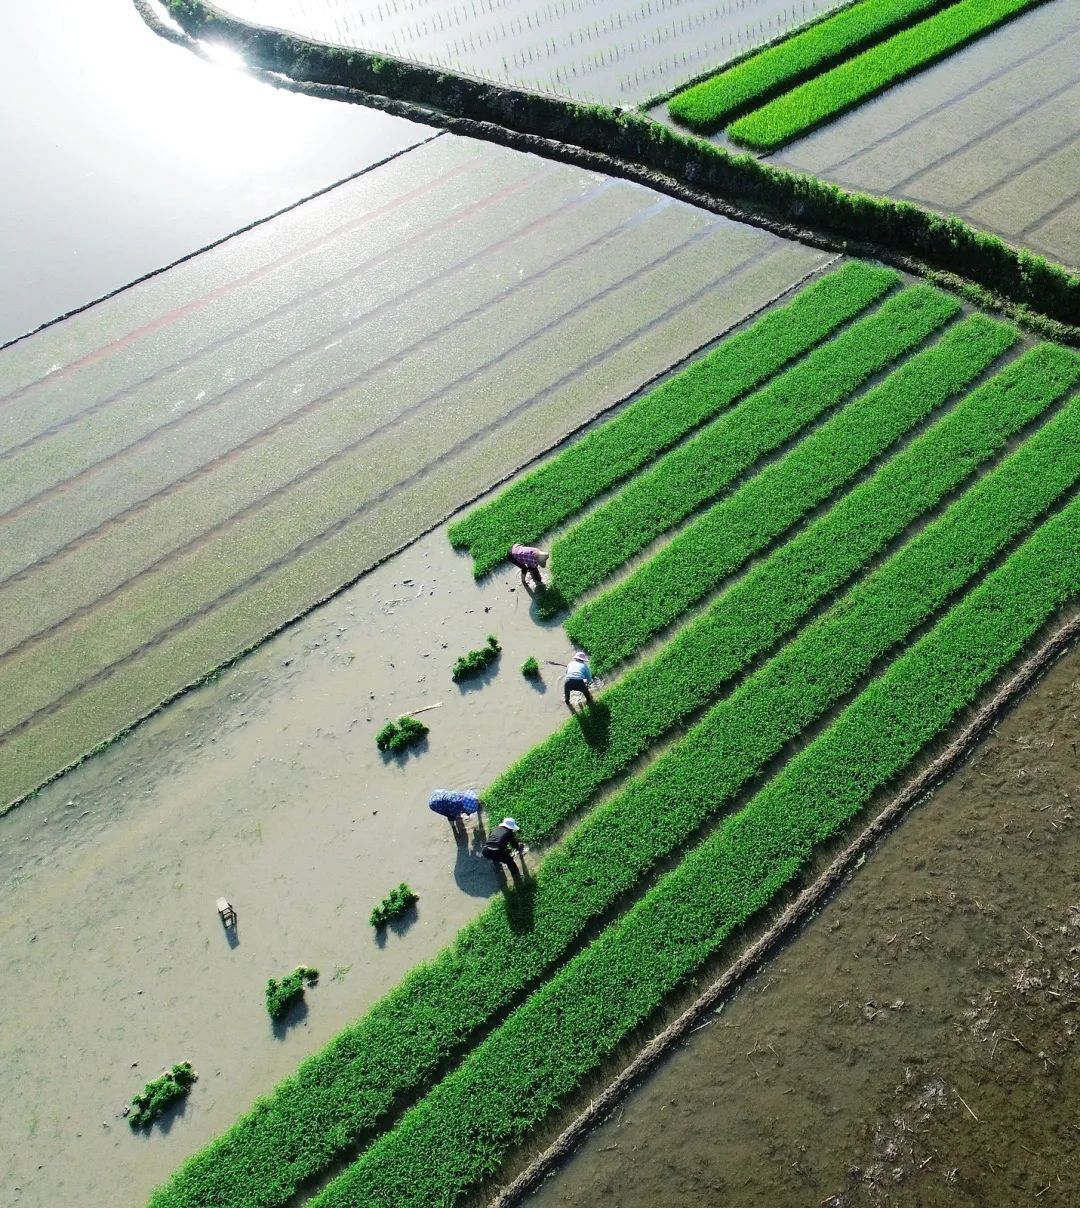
123,152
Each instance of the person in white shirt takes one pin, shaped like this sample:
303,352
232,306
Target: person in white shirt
578,677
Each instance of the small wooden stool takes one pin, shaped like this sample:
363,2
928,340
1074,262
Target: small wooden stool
228,914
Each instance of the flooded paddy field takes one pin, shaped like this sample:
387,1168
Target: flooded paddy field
991,134
196,460
916,1042
591,49
264,786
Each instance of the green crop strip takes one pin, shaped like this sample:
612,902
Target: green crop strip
346,1090
699,470
523,1070
558,776
706,106
557,490
828,95
612,627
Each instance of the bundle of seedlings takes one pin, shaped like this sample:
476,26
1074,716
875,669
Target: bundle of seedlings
476,661
159,1093
280,995
530,669
394,905
398,735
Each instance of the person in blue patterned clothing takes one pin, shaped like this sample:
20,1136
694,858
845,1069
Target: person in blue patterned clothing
454,806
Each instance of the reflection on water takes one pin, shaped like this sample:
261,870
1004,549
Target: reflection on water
600,49
123,152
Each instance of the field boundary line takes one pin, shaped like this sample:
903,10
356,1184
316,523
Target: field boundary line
805,905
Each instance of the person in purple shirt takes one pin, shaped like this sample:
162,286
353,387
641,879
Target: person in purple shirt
529,561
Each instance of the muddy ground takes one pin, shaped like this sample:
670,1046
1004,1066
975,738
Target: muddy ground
264,786
916,1043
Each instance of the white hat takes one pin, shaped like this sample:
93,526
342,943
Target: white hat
510,824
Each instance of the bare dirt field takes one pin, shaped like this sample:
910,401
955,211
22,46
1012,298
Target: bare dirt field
264,786
991,134
916,1044
193,462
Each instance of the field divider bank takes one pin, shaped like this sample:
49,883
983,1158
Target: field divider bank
834,92
549,495
696,472
343,1093
519,1073
760,76
615,625
559,775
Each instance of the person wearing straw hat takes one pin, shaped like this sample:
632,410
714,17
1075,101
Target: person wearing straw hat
500,841
529,560
578,678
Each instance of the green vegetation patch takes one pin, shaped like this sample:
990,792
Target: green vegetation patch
280,995
543,499
157,1095
476,662
396,903
525,1069
530,669
394,1049
707,106
700,469
397,736
558,776
616,624
826,96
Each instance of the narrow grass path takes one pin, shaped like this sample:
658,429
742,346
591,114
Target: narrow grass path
522,1071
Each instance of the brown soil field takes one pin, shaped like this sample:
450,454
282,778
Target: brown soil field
916,1043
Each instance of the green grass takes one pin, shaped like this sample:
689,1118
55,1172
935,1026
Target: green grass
705,107
704,466
555,491
526,1068
834,92
616,624
558,776
350,1087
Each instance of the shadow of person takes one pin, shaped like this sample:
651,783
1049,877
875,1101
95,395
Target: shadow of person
547,604
472,873
595,723
520,899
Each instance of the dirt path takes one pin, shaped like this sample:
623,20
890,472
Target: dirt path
916,1044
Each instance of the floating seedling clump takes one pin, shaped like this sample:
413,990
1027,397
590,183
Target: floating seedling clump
476,661
394,905
280,995
158,1094
530,669
398,735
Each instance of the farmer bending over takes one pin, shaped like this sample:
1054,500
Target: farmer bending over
578,677
500,841
528,561
454,807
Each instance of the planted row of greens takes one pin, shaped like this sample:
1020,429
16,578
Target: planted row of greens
543,499
345,1091
656,595
699,470
558,776
523,1070
707,106
834,92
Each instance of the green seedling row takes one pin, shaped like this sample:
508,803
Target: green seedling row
705,107
834,92
354,1083
557,490
558,776
703,467
620,621
525,1069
